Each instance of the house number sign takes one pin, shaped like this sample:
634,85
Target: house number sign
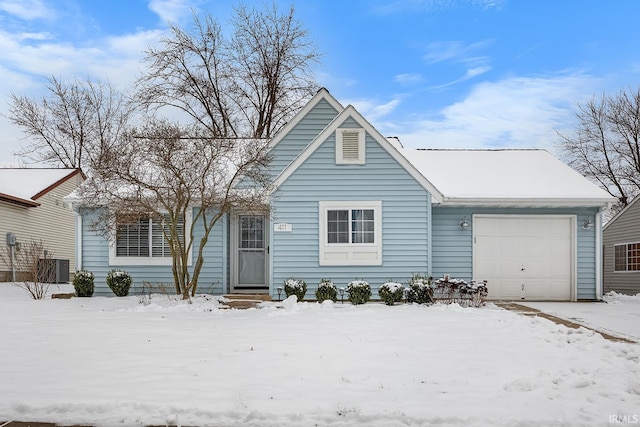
282,227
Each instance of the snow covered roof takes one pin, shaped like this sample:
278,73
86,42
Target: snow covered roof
24,186
509,177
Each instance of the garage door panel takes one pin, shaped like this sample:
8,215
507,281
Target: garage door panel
541,245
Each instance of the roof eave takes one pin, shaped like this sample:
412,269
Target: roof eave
528,202
18,201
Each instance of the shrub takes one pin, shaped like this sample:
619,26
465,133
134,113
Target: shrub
295,287
420,290
83,283
359,292
119,282
391,292
326,290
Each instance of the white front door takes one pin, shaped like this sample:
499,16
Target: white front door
250,254
525,257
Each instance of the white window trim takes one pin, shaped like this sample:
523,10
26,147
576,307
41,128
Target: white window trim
340,160
115,260
626,258
350,253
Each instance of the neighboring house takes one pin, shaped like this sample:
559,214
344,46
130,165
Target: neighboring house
32,208
621,246
349,203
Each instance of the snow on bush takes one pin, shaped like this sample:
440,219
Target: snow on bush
359,292
119,282
83,283
295,287
420,291
391,292
458,291
326,291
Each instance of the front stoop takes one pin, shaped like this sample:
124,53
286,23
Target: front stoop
244,301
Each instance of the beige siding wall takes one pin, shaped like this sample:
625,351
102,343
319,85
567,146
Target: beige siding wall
625,229
53,222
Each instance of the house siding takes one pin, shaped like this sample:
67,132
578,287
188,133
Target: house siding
622,229
301,135
53,222
452,251
95,258
406,209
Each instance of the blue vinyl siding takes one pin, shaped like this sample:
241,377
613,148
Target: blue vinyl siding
301,135
405,214
452,247
95,258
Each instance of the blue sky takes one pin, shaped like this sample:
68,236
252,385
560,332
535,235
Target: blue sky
436,73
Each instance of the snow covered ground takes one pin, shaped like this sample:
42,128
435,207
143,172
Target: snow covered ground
120,362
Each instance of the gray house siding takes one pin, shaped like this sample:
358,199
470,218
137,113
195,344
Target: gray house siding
452,251
95,258
624,228
406,209
301,135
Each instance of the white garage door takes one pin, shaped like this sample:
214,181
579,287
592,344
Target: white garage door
524,257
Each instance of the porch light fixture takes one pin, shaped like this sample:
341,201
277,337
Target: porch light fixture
464,224
587,224
279,289
341,290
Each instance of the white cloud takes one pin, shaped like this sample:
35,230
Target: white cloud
518,112
171,11
27,9
373,110
408,79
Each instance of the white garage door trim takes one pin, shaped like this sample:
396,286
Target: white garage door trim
508,287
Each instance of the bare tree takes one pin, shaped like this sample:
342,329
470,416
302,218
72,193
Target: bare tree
165,173
72,124
246,86
605,146
33,267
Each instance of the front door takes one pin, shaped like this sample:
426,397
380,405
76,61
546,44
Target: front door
250,254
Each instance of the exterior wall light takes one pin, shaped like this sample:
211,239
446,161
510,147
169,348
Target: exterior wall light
464,224
587,224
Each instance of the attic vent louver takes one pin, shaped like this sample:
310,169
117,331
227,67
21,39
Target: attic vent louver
350,145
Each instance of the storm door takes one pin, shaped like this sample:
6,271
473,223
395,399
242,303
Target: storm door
250,250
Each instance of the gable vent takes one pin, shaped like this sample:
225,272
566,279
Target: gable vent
350,145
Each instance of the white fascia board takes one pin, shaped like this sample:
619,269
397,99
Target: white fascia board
320,95
350,111
514,202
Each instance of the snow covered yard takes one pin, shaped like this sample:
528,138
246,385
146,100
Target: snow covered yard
115,361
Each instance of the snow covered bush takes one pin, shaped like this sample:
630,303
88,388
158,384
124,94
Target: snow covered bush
359,292
391,292
83,283
119,282
326,291
459,291
295,287
420,290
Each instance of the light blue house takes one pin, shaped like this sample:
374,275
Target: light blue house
348,203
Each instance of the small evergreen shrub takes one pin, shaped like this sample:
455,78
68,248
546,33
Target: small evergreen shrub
326,291
420,290
83,283
119,282
391,292
359,292
295,287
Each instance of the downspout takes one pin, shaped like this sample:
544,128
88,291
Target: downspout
79,237
598,229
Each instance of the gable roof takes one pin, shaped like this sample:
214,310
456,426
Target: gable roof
390,147
619,214
507,177
322,94
25,186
